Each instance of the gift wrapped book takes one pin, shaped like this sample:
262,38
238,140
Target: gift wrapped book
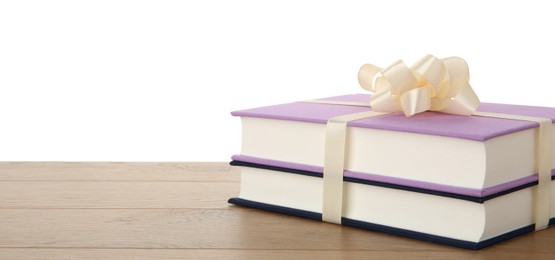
418,158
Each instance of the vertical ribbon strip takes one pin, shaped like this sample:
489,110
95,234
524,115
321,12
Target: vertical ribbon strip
334,164
544,153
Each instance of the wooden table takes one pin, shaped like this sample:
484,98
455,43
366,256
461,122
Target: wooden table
180,210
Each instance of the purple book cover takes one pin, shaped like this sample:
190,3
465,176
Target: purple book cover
432,123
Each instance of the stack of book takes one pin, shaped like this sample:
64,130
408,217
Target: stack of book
465,181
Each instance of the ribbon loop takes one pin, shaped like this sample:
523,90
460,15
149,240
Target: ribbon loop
430,84
366,75
430,70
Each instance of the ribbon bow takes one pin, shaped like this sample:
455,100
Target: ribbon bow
429,84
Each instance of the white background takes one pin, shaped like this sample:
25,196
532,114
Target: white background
156,80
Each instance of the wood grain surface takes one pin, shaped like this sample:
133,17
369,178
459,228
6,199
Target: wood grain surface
179,210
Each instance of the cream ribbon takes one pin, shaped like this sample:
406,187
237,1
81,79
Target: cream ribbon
334,164
430,84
